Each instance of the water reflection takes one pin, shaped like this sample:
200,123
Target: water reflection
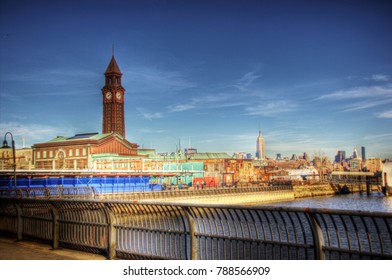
375,202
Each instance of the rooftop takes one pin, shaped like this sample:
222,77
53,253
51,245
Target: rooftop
78,137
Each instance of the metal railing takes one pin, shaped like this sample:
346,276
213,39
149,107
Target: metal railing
105,184
159,230
48,192
192,194
88,192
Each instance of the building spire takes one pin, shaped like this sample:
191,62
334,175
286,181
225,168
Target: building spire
260,146
113,67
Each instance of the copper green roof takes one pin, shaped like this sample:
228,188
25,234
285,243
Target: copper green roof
78,137
209,156
110,156
149,152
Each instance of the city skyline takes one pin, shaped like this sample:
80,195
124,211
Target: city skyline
313,76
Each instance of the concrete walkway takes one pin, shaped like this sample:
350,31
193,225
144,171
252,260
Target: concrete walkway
28,250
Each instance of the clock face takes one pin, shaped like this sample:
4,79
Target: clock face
118,95
108,95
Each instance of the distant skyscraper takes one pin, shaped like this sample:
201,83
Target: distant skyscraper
278,157
190,151
363,153
355,153
340,156
294,157
260,146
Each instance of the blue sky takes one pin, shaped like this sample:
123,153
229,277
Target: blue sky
315,75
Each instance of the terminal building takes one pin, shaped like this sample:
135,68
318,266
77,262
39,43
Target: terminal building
109,150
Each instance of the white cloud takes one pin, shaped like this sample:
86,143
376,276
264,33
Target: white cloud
10,97
377,137
246,81
33,133
362,98
148,115
359,92
180,108
52,77
208,101
152,131
368,103
385,115
154,80
271,108
374,78
379,78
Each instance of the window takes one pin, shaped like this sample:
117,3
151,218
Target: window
38,155
50,154
77,152
84,152
70,153
44,154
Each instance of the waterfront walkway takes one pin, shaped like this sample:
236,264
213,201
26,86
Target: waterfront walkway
28,250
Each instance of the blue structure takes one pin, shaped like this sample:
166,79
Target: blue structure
114,184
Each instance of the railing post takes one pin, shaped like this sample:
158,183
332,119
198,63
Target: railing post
92,192
55,215
19,228
112,242
317,237
192,233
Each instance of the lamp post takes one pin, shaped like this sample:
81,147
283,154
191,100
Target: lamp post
5,146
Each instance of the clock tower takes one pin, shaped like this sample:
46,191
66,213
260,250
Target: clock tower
113,100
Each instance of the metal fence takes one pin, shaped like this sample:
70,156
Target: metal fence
105,184
159,230
88,192
48,192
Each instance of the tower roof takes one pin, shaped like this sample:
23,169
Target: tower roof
113,67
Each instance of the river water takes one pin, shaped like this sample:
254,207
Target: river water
376,202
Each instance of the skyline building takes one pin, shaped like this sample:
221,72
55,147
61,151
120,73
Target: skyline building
340,156
355,153
363,153
260,146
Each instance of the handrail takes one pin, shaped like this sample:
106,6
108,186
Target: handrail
167,230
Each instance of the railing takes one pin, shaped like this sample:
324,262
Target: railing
87,192
158,230
105,184
50,192
204,194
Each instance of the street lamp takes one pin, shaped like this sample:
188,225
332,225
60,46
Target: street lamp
5,146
